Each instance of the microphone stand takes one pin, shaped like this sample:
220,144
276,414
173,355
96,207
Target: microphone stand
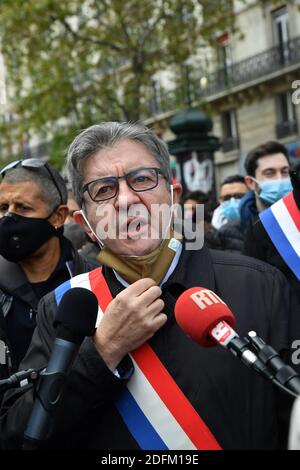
281,374
20,379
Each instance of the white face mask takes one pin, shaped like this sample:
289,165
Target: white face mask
88,224
172,205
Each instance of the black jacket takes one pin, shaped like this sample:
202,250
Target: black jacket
258,244
19,301
237,405
231,236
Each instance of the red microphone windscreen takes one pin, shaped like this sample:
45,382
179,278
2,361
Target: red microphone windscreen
198,310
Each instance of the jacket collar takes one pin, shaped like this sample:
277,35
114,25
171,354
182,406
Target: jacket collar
15,283
194,268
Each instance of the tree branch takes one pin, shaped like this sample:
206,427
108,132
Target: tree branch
83,38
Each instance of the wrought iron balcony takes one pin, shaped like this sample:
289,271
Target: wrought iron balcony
263,65
285,129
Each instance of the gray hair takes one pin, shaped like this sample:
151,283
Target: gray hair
106,135
40,176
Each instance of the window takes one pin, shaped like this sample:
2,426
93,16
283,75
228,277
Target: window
281,33
230,130
225,59
286,116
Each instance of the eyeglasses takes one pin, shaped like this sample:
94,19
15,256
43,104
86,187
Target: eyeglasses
234,195
32,163
139,180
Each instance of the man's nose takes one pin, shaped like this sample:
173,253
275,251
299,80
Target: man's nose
11,208
126,196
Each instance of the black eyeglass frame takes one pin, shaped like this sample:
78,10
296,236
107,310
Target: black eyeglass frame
117,178
227,197
32,163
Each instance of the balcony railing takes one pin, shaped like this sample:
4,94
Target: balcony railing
261,65
255,67
285,129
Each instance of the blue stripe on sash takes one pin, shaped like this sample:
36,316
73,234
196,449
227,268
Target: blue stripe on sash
61,290
137,423
280,241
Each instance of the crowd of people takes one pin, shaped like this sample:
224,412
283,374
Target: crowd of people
119,392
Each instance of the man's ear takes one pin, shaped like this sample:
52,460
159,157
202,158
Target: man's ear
79,219
177,191
59,217
250,183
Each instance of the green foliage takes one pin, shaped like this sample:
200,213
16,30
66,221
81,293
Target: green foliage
72,63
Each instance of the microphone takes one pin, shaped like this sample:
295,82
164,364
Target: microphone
203,316
282,372
20,379
76,318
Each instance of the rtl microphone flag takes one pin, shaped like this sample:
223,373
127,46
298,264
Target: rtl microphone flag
198,311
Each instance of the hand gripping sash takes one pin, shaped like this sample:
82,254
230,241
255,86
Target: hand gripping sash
153,407
282,223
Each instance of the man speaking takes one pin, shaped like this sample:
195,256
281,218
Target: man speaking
140,382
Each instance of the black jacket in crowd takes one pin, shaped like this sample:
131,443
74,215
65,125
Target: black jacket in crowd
258,244
19,301
241,409
231,236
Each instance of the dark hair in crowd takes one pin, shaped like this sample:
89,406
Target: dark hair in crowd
198,196
263,150
40,176
233,179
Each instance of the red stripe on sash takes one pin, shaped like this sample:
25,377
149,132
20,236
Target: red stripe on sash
161,380
174,398
291,206
100,288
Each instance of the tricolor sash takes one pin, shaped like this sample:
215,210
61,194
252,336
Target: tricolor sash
282,223
155,410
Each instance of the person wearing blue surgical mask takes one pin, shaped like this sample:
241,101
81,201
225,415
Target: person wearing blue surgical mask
232,190
267,169
230,209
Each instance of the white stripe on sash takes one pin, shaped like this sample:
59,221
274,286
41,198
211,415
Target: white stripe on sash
287,224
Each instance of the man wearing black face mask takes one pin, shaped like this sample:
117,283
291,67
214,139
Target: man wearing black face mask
35,257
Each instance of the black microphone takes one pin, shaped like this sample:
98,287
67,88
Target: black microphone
282,372
75,319
20,379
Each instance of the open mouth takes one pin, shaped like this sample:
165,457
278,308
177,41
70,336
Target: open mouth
135,227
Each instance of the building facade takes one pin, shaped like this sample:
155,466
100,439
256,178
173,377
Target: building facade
252,85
